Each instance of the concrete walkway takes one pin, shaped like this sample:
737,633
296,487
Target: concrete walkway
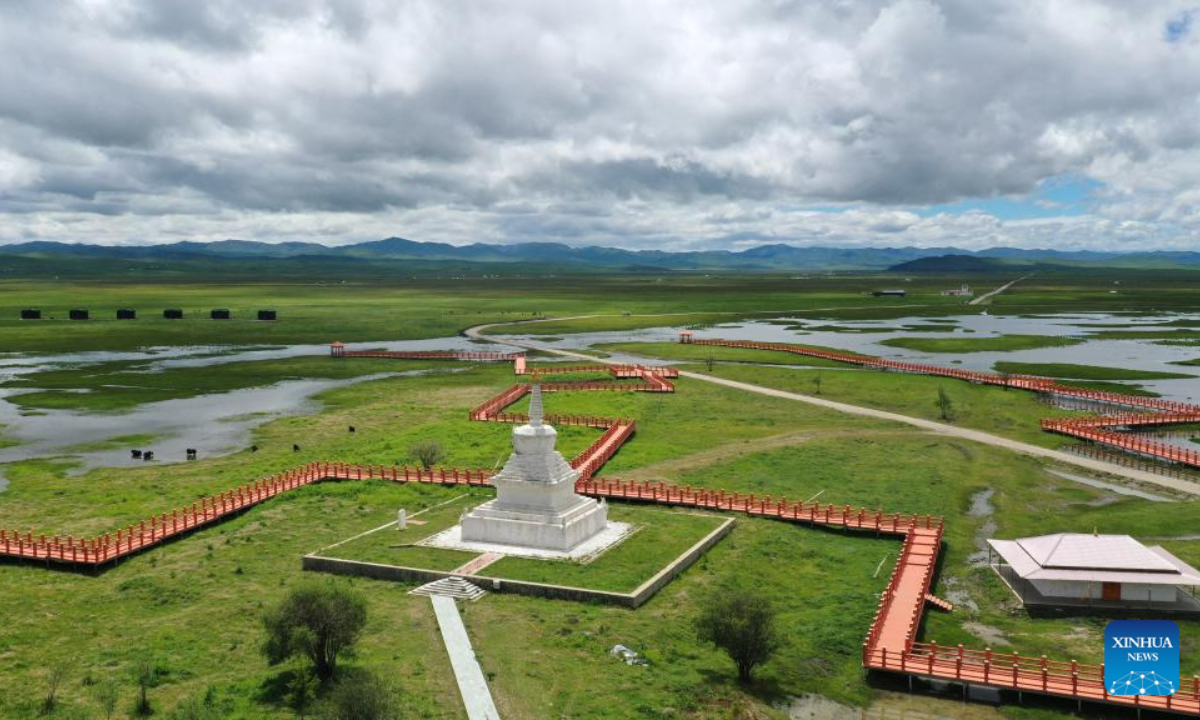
979,300
1184,486
471,683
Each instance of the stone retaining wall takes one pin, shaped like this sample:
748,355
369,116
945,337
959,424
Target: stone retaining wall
647,590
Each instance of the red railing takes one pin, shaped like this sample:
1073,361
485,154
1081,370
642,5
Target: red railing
487,355
890,643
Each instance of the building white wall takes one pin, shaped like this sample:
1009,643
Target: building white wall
1131,592
1068,589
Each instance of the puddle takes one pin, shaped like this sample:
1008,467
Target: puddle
817,707
981,506
987,633
891,706
216,424
957,595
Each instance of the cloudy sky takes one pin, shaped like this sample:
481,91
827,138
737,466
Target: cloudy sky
976,123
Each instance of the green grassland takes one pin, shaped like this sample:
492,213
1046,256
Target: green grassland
1113,291
1010,413
193,607
1001,343
322,304
1084,372
703,353
354,309
194,604
1162,336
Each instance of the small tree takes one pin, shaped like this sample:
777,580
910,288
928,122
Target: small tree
743,625
360,697
817,384
428,453
106,697
319,622
945,405
50,702
145,675
709,362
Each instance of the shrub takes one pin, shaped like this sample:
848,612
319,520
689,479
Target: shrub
319,622
743,625
360,697
428,453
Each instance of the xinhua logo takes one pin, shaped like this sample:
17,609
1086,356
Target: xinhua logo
1141,657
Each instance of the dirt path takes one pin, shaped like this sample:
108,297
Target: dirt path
1183,486
979,300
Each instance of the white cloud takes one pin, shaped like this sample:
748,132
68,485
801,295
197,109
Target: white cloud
661,124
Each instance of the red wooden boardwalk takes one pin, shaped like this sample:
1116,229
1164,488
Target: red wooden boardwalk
891,644
1095,429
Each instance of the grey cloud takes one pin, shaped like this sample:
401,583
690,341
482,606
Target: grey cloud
708,120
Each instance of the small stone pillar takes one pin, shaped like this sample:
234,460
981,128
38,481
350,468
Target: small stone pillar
401,519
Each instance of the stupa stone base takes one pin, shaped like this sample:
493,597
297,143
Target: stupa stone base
611,534
544,525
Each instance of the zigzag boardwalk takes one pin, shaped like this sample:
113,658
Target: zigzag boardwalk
891,643
1095,429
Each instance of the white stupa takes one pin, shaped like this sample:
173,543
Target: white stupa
536,505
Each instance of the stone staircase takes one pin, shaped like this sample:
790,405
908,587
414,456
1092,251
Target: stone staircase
455,587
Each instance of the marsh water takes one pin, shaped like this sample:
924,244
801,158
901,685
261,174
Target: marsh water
213,424
867,336
221,423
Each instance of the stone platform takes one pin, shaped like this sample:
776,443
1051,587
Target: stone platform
612,534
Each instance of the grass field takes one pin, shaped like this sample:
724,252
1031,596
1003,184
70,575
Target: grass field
1002,343
193,607
702,354
1084,372
324,309
1009,413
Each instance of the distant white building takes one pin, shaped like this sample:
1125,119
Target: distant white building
1101,571
962,291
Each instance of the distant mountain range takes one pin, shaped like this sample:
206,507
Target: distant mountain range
785,258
